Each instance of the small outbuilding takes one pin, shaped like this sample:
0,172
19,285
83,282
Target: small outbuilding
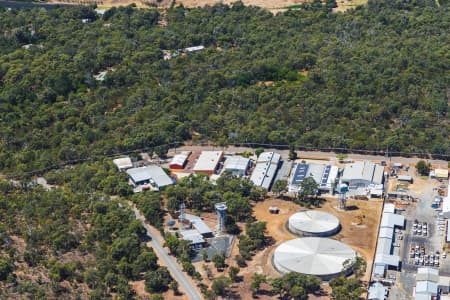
123,163
179,161
441,173
405,178
196,239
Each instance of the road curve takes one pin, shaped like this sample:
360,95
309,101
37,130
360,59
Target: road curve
171,264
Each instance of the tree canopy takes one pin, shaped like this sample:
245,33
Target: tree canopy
374,78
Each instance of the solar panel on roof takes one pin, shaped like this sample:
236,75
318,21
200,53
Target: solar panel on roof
300,173
325,175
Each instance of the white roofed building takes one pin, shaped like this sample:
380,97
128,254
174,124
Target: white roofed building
199,225
265,170
384,258
427,282
208,162
149,177
194,237
179,161
446,204
324,176
362,173
123,163
376,291
236,165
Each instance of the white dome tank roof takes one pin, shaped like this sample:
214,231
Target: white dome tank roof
322,257
313,223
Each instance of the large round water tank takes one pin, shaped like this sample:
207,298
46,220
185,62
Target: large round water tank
322,257
313,223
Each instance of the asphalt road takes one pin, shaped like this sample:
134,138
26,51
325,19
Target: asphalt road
171,264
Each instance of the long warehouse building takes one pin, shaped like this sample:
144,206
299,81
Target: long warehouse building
265,169
383,256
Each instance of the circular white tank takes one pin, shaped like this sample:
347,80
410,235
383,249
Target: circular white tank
313,223
322,257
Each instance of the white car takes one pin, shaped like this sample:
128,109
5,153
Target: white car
444,254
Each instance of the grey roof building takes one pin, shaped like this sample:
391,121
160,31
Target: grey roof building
236,165
362,173
196,239
376,291
323,175
199,225
265,169
153,176
427,281
383,255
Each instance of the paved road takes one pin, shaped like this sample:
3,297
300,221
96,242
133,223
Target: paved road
315,154
174,269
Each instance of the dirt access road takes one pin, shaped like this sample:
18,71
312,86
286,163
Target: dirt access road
331,156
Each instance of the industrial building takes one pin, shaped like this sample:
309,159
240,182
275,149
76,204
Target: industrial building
150,177
322,257
313,223
236,165
208,162
446,204
194,237
179,161
324,176
123,163
377,291
362,173
265,169
199,225
383,255
427,282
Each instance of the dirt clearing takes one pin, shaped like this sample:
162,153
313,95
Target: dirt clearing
359,227
273,6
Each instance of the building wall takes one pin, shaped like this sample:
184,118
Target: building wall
175,167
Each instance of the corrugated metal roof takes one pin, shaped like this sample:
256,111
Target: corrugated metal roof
198,224
193,236
123,162
324,175
386,232
389,208
390,260
363,170
379,270
179,160
154,173
376,291
265,169
392,220
208,161
236,163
